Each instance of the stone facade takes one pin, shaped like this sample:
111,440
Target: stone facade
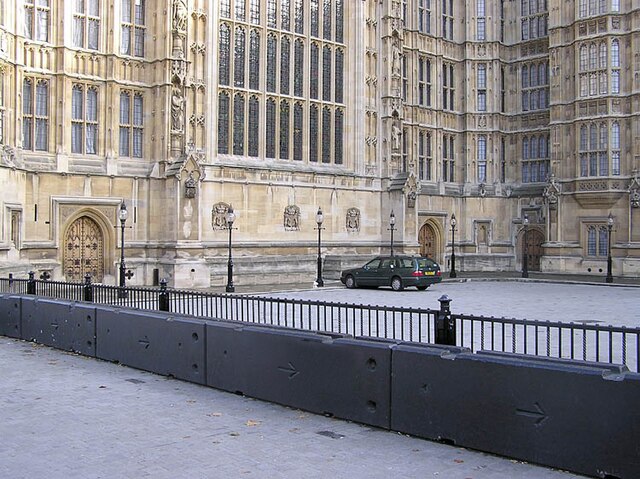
494,111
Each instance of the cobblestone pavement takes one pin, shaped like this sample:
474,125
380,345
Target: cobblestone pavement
546,301
67,416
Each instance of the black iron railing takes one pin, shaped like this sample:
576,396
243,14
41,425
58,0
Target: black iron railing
586,342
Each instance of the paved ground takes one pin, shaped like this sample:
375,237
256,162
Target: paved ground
67,416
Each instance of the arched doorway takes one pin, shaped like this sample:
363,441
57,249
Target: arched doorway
534,238
428,241
84,251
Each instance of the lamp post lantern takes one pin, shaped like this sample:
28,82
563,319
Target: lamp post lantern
231,217
525,248
319,220
122,215
454,222
392,228
609,278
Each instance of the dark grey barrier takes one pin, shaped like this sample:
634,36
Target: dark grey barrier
60,324
10,316
157,342
325,374
578,416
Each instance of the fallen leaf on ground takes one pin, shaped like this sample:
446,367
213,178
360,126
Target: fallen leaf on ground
251,422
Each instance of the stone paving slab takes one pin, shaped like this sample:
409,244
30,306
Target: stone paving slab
67,416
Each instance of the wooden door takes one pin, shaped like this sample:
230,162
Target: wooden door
84,251
427,240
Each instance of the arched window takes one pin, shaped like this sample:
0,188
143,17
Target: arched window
297,131
285,46
313,133
254,125
254,60
270,122
224,62
298,77
223,123
284,130
326,135
525,76
238,124
326,73
339,76
238,65
615,53
313,71
339,118
584,58
272,63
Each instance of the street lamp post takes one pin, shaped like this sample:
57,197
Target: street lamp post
123,215
609,278
525,248
231,217
319,219
452,273
392,228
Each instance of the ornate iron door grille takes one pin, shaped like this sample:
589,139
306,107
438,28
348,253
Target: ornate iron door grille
84,251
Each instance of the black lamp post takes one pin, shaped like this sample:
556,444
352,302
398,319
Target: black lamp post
525,248
609,278
319,219
231,217
123,215
392,228
452,273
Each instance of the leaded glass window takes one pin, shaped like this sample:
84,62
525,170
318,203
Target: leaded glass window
86,24
225,9
482,159
132,27
284,130
35,115
223,123
84,119
313,74
224,61
254,60
36,20
131,128
238,64
313,134
298,75
297,131
326,135
326,73
240,10
285,46
254,126
339,76
339,21
299,16
271,13
339,117
238,125
285,15
271,63
270,123
314,6
254,11
326,19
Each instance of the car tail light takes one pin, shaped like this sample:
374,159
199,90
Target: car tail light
417,273
438,273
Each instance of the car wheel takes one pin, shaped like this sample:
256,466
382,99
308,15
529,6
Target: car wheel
396,284
422,288
350,282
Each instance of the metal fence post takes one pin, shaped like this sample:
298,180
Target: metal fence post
88,288
445,324
31,283
163,299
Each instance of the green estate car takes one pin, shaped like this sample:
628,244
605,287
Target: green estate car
398,272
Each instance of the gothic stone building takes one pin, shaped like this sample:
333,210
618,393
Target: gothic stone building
513,115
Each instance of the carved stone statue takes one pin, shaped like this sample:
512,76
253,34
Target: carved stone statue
177,110
396,133
180,14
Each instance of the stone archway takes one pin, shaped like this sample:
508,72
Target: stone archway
83,250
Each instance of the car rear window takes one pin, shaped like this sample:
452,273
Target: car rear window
426,263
